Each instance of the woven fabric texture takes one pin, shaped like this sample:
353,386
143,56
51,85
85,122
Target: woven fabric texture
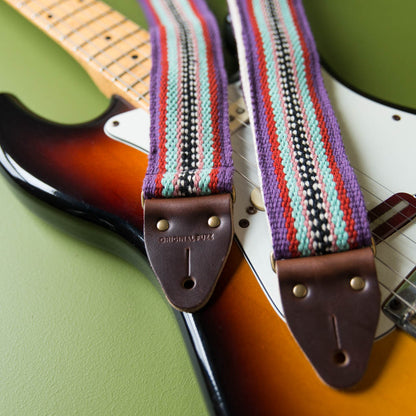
313,201
190,149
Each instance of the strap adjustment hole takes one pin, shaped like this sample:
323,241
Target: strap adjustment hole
188,283
341,358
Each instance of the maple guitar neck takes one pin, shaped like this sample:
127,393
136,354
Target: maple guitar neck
113,50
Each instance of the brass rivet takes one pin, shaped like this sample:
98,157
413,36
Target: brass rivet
214,221
357,283
272,262
299,290
373,246
162,225
233,195
256,198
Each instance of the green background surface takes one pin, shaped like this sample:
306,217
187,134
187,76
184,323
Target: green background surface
81,331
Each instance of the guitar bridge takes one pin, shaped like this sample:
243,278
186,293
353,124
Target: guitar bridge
400,306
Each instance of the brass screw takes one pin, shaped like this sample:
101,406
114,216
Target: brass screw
299,290
214,221
373,246
357,283
162,225
272,262
256,198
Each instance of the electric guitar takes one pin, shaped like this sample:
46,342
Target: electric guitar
245,356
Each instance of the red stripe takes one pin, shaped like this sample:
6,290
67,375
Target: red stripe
213,91
339,182
273,139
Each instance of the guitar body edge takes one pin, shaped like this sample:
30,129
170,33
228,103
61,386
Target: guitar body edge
249,360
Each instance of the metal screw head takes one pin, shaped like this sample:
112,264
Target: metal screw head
214,221
299,290
357,283
162,225
373,246
256,198
272,262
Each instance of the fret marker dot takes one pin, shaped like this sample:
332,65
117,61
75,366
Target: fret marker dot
108,37
134,56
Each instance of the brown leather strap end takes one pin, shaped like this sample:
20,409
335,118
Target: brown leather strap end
187,242
332,305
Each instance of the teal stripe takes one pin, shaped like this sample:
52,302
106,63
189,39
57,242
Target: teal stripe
288,169
172,101
206,110
316,136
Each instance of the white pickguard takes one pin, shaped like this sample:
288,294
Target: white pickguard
381,150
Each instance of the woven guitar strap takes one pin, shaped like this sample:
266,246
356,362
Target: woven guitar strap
188,185
321,237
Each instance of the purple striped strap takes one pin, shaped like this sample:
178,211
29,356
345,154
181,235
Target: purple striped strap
190,148
188,184
320,232
312,197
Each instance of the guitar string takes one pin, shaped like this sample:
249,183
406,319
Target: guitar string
126,70
139,81
133,47
98,34
243,123
61,19
392,207
140,96
393,292
394,272
410,219
23,3
97,19
397,296
106,29
64,19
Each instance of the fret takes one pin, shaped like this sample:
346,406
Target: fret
72,23
38,8
34,7
127,26
114,50
86,26
140,96
63,10
84,35
121,50
140,68
130,77
122,66
72,17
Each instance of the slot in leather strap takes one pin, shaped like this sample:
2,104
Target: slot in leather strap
335,317
190,150
312,199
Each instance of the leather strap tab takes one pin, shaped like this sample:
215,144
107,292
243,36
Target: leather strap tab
332,316
187,242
